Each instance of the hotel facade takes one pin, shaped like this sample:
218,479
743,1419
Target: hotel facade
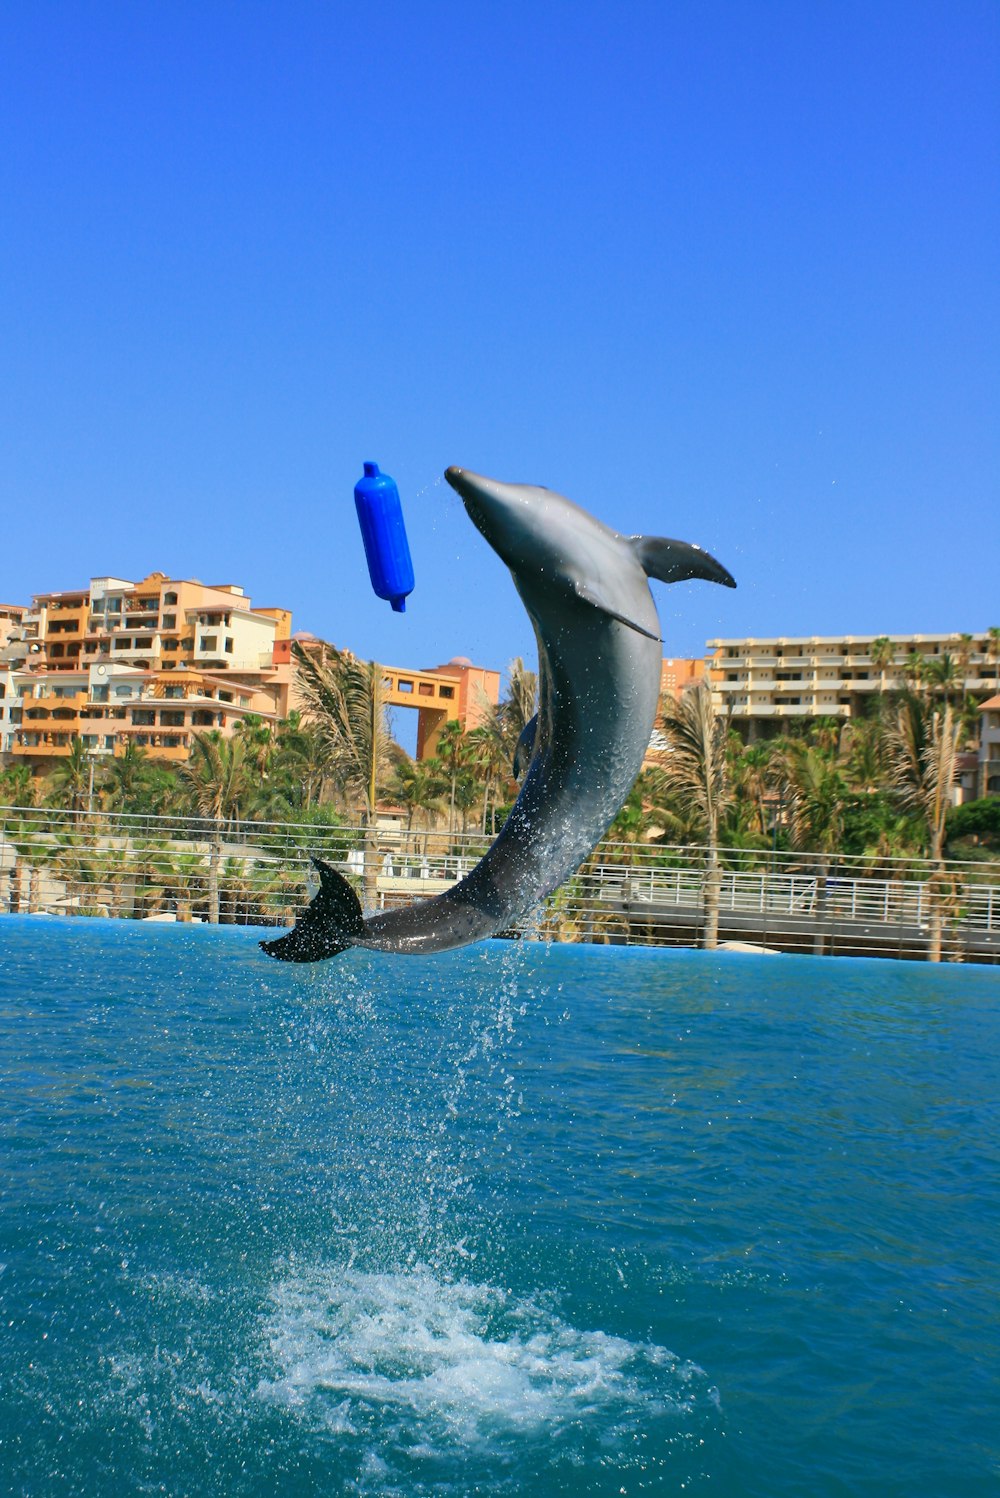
765,683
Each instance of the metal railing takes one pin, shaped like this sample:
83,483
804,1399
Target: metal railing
185,868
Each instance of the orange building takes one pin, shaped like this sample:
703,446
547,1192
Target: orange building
148,662
455,692
675,675
458,692
154,662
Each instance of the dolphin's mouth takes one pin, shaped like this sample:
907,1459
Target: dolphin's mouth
467,486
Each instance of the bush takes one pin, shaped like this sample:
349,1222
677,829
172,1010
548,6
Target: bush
979,820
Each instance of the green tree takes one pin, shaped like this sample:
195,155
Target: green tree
216,776
922,744
71,780
993,651
815,794
696,768
125,778
418,786
455,754
915,668
19,787
942,672
883,653
752,775
344,698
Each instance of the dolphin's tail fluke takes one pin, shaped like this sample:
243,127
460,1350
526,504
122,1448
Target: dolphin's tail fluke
332,922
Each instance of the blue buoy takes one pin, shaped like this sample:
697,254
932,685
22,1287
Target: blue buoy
380,515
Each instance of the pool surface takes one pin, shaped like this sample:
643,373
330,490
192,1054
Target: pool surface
516,1220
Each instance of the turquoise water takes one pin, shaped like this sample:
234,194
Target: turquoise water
519,1220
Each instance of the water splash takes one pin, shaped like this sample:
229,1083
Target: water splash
420,1364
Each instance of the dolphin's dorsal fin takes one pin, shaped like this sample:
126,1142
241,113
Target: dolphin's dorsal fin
675,561
589,592
525,747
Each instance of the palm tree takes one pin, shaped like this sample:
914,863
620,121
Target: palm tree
19,787
454,754
260,744
70,781
418,785
345,699
814,793
922,745
127,776
521,702
216,775
942,671
883,653
696,767
993,651
862,754
914,668
491,766
753,776
299,764
963,655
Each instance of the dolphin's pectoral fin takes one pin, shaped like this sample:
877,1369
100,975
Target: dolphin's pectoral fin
525,747
332,921
588,592
676,561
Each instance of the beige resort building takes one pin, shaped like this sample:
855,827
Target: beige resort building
763,683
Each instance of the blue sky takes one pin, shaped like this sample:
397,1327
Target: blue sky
726,272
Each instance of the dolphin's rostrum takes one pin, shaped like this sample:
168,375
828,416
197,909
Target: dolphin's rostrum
586,591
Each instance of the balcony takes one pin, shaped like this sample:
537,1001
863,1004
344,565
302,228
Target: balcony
55,700
42,744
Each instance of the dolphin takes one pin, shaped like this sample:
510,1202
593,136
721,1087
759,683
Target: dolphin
586,592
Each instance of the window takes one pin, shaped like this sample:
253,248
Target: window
447,692
169,598
208,642
170,621
173,691
229,645
172,719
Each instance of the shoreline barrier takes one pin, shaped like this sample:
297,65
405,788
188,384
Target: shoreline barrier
144,867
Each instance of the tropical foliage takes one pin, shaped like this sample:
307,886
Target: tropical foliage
878,788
